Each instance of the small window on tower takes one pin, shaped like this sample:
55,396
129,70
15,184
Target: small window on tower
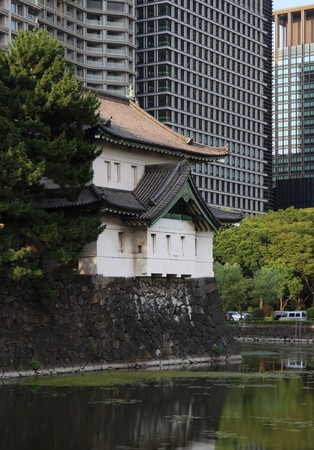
107,170
183,245
121,237
153,243
135,175
117,171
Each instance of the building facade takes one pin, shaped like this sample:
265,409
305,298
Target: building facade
204,69
293,107
156,221
98,36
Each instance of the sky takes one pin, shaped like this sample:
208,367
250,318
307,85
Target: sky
281,4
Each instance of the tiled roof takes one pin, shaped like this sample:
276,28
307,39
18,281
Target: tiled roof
159,185
159,190
226,216
120,201
55,199
124,120
93,196
163,185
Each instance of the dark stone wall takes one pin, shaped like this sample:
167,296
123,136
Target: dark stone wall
94,320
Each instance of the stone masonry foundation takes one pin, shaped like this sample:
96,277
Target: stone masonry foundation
122,320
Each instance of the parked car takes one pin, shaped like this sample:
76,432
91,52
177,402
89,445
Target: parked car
247,316
232,315
237,316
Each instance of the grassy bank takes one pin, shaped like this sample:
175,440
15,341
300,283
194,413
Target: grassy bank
141,376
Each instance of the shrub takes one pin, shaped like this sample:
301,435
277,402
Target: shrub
217,351
258,313
310,313
268,319
35,365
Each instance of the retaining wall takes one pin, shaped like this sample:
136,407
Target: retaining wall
127,320
298,331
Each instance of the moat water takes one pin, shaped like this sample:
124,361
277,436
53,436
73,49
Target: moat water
264,403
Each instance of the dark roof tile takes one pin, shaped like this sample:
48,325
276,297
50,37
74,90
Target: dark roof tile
159,185
118,200
225,216
54,199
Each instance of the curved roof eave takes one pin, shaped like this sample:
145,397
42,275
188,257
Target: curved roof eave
117,211
160,148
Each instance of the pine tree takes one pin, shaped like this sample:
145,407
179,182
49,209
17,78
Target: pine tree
44,115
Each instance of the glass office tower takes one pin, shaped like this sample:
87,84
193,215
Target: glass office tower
98,36
293,107
204,69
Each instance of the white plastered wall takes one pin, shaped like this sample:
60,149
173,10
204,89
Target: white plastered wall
122,169
204,254
169,248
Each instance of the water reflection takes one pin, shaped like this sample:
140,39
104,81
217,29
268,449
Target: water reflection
271,413
264,357
148,417
268,406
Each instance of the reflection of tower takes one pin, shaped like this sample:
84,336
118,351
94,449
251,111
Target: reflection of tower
293,108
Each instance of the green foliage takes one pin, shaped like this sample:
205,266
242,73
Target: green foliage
43,117
290,286
258,313
310,313
35,365
282,241
217,351
267,286
232,286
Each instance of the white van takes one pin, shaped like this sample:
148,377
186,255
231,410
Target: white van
278,314
293,315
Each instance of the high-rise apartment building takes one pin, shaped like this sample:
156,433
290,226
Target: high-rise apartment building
293,107
98,36
204,69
